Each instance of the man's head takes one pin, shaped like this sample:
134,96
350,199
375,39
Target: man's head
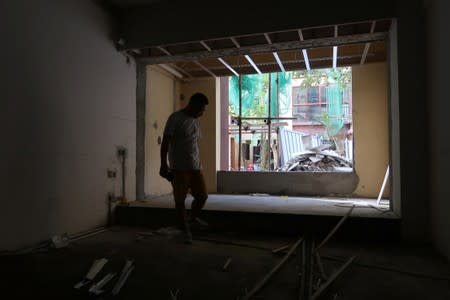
197,104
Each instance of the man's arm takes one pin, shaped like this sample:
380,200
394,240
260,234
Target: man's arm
164,170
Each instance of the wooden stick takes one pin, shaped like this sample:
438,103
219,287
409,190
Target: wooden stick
333,277
275,251
227,263
320,265
306,268
383,185
334,229
273,271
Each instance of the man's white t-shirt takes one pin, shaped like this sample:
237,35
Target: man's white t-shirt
184,153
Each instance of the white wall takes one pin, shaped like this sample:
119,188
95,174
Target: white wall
67,100
439,109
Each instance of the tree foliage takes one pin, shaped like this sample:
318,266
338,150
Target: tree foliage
341,77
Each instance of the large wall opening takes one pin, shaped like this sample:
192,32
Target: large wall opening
309,120
290,121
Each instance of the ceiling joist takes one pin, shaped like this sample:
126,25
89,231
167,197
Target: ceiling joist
367,46
323,60
248,58
205,69
264,48
164,50
228,66
205,45
235,42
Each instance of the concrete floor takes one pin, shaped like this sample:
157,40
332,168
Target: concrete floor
381,271
282,205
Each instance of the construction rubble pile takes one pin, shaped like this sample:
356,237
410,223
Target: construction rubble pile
312,161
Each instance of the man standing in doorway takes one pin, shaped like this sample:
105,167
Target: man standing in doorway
180,144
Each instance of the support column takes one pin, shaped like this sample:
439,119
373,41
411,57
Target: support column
141,77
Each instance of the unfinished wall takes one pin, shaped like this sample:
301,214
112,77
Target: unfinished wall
208,145
439,108
370,127
67,101
162,90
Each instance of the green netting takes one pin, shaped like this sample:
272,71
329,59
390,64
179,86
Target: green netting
284,82
335,110
255,93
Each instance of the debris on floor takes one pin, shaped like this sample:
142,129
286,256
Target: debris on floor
275,269
60,241
326,160
167,231
309,253
93,271
197,271
174,295
274,251
126,271
96,288
227,264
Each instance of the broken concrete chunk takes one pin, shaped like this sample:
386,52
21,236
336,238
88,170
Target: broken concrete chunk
314,159
60,241
326,160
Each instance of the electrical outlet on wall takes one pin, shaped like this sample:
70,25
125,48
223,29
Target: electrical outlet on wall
111,173
111,197
121,151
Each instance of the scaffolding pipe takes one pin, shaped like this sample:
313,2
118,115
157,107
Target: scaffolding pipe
269,121
240,123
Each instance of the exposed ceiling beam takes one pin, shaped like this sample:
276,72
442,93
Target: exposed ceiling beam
275,54
335,48
228,66
306,59
367,46
269,41
171,70
180,69
205,69
164,50
253,64
335,51
305,44
285,62
300,34
235,42
277,58
205,45
304,51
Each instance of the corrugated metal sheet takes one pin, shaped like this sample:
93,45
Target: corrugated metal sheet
292,142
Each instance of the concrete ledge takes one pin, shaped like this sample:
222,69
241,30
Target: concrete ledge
354,228
287,183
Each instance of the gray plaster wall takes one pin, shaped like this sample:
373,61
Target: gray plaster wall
287,183
67,100
439,109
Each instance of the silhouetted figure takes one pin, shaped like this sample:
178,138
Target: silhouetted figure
180,146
